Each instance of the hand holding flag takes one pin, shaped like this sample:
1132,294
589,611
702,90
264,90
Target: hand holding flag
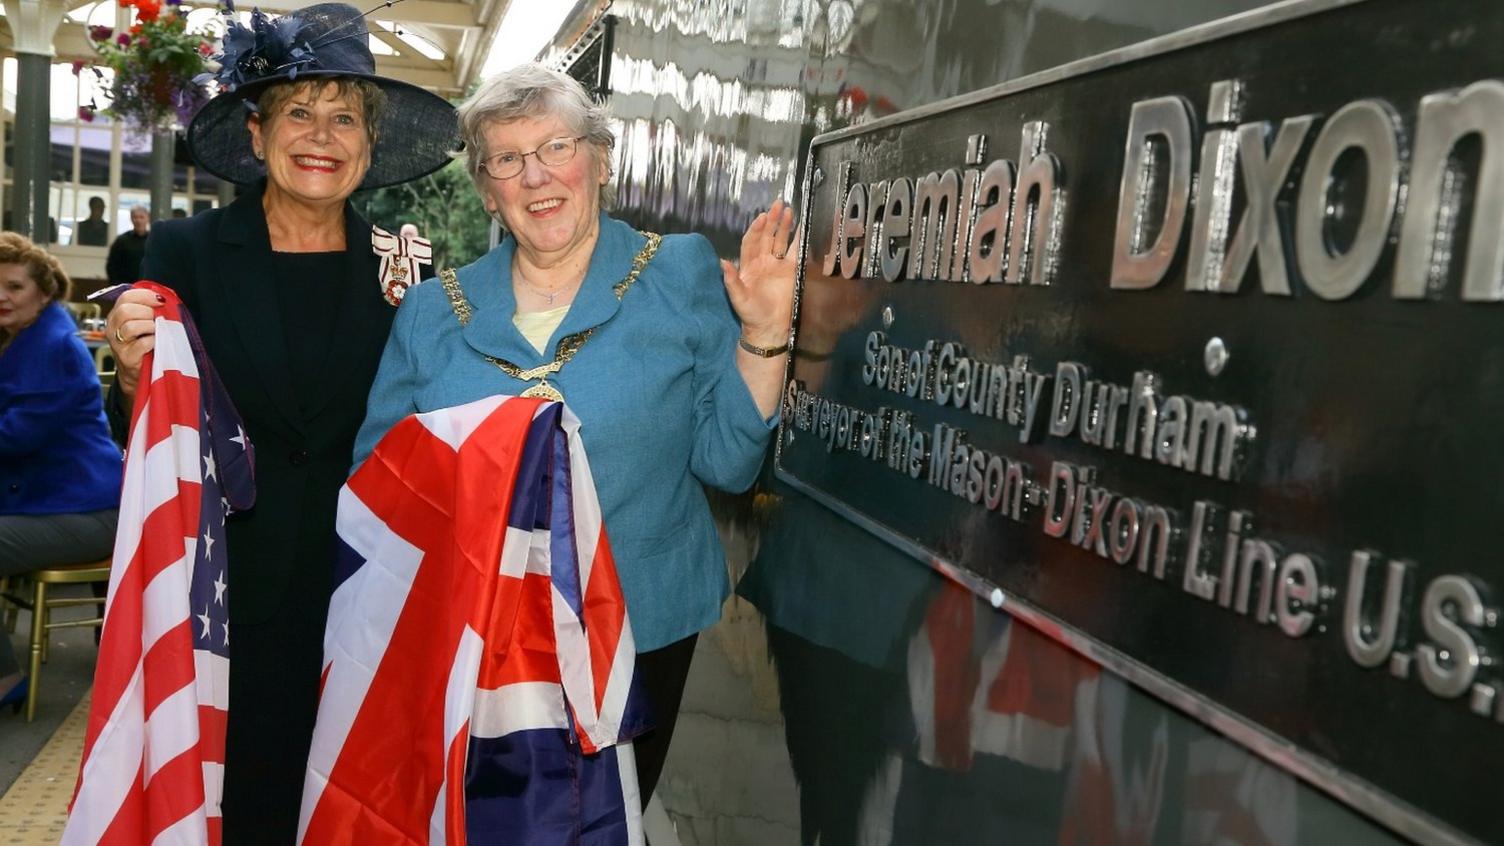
153,761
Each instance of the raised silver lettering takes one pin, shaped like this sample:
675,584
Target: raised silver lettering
1146,242
1434,197
1369,127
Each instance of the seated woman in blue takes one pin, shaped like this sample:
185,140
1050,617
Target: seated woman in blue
673,389
59,470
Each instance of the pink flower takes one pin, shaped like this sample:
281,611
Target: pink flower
123,40
77,68
86,113
100,33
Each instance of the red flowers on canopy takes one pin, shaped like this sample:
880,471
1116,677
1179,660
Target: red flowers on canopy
146,10
157,63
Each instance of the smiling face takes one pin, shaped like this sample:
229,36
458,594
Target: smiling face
21,299
315,143
552,211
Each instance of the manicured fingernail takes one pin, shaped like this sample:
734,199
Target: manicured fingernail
161,300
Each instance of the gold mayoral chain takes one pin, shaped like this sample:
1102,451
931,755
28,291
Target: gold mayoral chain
568,345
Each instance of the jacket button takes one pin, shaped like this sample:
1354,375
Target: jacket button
298,457
15,488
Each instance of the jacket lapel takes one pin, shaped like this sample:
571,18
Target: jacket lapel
252,304
610,263
488,287
487,284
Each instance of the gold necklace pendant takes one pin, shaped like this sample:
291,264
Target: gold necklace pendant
543,390
546,295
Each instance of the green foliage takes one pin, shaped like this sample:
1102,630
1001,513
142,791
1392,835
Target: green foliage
445,208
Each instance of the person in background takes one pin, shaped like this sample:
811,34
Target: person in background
59,469
93,231
410,230
671,360
123,266
179,214
7,223
285,291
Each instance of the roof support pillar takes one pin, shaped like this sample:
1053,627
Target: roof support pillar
33,24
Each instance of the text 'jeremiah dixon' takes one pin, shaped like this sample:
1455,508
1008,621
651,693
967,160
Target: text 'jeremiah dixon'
1004,222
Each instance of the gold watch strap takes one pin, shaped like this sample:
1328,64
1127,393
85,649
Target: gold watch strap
762,352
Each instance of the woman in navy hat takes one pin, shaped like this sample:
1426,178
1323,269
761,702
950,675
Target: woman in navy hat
283,285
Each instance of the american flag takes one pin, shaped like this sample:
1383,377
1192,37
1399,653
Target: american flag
478,660
153,762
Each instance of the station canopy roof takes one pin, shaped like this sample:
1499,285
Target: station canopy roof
438,44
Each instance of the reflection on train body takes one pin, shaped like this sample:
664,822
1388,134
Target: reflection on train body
912,712
916,713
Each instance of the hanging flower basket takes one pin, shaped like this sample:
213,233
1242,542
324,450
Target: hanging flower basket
156,63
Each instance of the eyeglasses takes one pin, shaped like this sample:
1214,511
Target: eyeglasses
509,163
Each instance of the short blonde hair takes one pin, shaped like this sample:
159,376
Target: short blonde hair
534,91
45,270
366,96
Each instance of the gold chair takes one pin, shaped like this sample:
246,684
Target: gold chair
83,311
7,608
41,607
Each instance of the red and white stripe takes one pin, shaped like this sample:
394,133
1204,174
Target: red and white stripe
596,661
148,774
374,655
445,574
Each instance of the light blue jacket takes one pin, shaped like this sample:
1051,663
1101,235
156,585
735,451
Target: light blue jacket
661,404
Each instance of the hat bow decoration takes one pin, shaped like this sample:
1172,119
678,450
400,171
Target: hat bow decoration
267,46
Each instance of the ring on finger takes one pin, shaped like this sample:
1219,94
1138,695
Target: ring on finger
119,337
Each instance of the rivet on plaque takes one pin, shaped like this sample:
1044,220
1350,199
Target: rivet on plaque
1215,357
887,317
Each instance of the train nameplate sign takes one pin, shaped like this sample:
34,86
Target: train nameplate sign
1195,351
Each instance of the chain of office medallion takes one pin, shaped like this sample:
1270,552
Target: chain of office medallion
568,345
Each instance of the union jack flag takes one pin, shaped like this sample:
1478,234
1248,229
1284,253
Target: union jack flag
478,660
154,751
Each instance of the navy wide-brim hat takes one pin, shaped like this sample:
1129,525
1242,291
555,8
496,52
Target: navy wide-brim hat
417,131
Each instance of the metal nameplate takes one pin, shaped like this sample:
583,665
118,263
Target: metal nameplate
1192,355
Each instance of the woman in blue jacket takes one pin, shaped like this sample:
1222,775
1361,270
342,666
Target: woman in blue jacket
671,360
59,470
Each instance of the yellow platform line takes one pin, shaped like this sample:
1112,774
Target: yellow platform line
33,811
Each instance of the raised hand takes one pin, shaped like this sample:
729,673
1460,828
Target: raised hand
762,288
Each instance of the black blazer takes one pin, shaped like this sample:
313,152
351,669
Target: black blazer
220,263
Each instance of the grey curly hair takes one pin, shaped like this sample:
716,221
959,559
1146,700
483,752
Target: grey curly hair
534,91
